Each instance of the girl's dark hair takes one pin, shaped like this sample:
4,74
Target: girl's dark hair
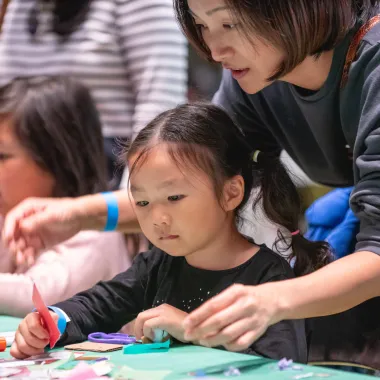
204,137
55,120
300,28
68,15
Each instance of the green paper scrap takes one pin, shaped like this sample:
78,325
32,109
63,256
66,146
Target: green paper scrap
129,373
147,348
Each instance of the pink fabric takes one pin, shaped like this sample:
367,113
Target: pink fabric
63,271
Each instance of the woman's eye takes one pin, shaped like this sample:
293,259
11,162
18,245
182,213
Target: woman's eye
142,204
230,26
175,198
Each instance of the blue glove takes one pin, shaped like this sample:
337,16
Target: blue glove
330,218
342,238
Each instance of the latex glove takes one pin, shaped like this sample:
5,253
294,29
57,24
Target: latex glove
330,219
342,237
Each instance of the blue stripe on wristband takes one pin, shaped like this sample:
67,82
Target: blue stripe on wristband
61,318
112,211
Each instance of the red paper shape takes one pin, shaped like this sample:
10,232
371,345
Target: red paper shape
48,320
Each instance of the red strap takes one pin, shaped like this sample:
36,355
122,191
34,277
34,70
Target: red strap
351,54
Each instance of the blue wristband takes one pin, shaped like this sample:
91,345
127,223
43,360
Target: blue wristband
61,324
112,211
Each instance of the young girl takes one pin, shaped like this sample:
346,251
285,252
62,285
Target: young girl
191,172
51,145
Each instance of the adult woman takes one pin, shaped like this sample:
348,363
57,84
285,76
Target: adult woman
307,98
129,53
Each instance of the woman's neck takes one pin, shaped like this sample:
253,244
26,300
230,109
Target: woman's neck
312,73
227,250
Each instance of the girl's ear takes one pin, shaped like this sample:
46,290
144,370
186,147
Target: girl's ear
233,193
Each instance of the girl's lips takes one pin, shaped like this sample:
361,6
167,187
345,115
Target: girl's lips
169,237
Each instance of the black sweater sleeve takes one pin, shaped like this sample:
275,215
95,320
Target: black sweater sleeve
364,80
109,305
286,339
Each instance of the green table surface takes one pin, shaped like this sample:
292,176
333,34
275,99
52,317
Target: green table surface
181,360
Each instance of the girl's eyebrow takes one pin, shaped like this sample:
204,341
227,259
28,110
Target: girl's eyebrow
167,183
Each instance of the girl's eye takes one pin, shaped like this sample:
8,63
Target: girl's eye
201,27
175,198
142,204
4,156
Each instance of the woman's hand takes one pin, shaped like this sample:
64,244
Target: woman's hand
235,318
39,223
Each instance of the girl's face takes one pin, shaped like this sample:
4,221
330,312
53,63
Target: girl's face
20,176
177,208
251,62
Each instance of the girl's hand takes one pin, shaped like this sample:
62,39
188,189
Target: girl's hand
39,223
163,317
31,336
235,318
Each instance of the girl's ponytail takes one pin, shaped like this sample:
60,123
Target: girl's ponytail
282,204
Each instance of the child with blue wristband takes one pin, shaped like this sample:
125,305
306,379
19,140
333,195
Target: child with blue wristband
191,173
51,145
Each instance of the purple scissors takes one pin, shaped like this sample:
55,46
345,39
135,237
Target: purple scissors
115,338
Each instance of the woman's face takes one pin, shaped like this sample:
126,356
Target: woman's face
20,176
250,61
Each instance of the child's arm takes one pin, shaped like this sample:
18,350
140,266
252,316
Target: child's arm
108,305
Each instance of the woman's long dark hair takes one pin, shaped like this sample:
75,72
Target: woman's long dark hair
68,15
56,121
204,137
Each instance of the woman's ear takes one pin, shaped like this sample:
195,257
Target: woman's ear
233,193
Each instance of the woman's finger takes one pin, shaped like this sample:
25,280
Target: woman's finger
210,308
30,256
229,334
239,310
244,341
20,212
20,258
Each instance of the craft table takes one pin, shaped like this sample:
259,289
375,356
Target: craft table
179,361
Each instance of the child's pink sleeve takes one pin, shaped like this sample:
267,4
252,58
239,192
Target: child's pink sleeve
65,270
